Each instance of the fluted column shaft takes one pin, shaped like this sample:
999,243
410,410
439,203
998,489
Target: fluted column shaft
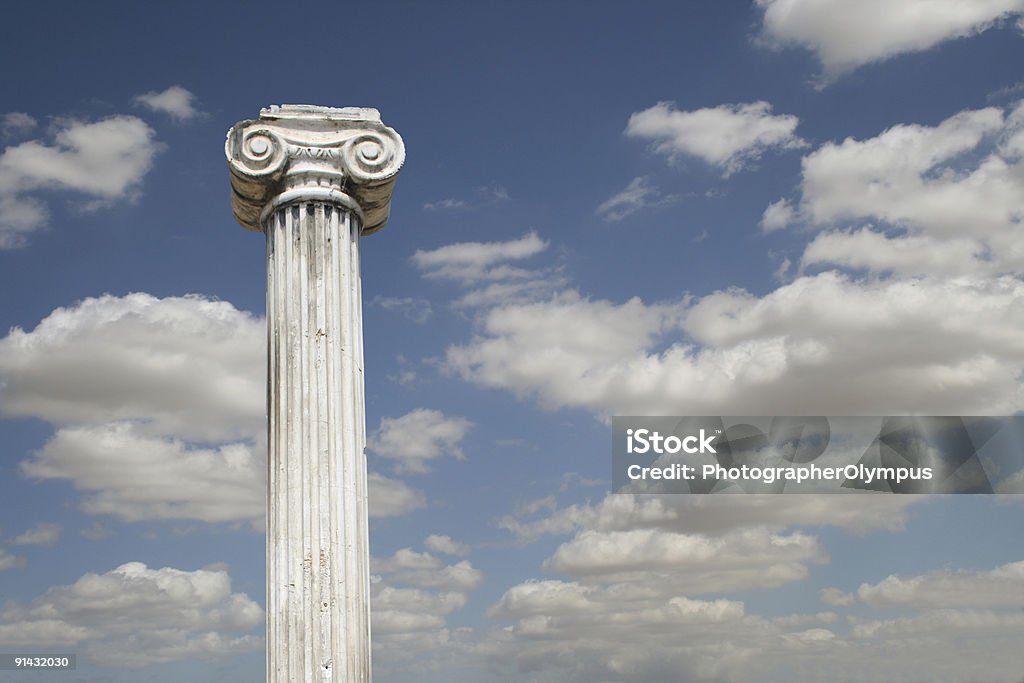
314,180
317,585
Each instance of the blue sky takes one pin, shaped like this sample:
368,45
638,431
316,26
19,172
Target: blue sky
703,208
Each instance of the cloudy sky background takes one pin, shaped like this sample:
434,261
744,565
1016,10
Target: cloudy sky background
778,207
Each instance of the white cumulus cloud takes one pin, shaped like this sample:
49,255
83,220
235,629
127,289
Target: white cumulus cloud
446,545
423,570
694,563
40,533
16,123
637,566
846,35
10,561
391,497
132,616
729,136
188,367
104,160
647,631
473,261
916,200
175,101
824,343
639,194
489,271
1002,587
414,439
134,477
413,594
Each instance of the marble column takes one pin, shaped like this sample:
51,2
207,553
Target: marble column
314,180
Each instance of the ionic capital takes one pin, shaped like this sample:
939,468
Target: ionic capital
297,153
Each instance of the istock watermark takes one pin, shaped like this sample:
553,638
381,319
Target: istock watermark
647,441
894,454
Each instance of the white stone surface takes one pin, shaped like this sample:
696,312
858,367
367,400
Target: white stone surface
297,151
315,179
